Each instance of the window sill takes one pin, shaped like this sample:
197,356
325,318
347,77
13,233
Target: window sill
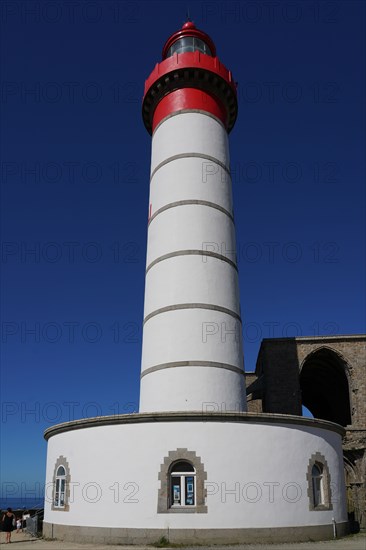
321,508
60,509
186,510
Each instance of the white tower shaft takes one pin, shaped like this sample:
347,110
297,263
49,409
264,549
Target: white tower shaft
192,357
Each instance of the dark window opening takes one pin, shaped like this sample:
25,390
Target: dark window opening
324,387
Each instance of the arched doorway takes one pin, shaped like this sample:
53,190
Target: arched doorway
324,386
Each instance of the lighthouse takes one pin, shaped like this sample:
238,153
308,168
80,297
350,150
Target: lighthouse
192,356
193,466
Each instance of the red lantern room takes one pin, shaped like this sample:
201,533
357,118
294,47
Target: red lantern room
189,77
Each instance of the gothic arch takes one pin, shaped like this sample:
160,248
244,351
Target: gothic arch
350,471
325,385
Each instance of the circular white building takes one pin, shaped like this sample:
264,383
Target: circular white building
193,465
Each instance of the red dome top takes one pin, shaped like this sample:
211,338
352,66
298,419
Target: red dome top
189,29
189,25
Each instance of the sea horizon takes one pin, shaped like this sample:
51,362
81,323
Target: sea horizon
19,503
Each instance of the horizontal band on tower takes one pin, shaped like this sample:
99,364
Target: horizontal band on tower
189,155
188,97
192,253
185,111
189,203
178,364
175,307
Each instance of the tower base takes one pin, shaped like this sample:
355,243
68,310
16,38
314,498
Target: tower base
105,535
253,479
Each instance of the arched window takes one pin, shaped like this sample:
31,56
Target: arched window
61,485
318,489
182,479
182,484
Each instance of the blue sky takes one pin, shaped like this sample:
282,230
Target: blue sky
75,173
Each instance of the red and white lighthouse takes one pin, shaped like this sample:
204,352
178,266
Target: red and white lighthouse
193,466
192,354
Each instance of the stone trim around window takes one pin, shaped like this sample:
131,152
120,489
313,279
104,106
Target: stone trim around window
318,458
61,461
201,477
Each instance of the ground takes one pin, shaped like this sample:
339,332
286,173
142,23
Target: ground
354,542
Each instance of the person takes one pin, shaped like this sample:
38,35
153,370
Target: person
19,525
8,519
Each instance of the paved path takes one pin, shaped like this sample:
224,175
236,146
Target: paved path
25,542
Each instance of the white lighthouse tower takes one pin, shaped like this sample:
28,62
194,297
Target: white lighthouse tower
192,354
193,466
